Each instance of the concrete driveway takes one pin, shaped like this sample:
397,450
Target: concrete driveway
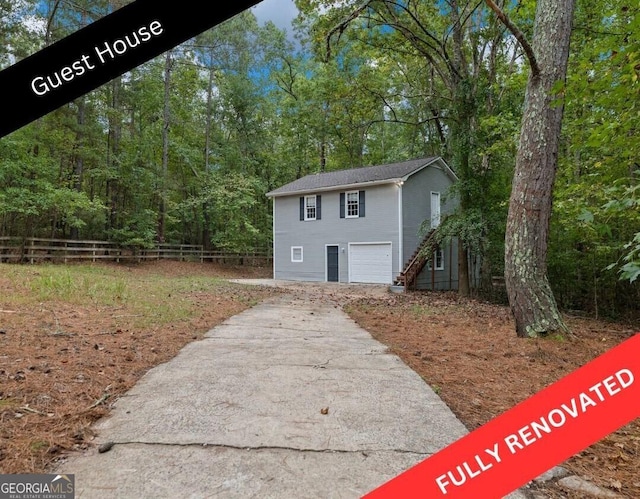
290,399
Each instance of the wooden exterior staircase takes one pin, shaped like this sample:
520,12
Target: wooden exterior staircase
409,276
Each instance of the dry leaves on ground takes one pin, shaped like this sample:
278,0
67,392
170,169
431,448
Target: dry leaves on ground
468,352
73,339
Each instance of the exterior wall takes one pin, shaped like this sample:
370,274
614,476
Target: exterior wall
416,202
442,280
380,224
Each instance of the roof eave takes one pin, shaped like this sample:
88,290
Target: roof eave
342,187
447,169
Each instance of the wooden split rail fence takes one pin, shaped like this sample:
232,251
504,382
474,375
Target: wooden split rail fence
36,250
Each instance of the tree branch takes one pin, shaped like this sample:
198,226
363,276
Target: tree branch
405,122
528,50
342,26
440,48
47,36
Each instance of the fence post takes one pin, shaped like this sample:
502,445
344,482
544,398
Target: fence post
67,250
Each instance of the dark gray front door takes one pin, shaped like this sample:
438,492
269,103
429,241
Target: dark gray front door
332,264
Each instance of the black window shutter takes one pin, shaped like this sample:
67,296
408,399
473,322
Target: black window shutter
318,207
342,202
302,209
361,207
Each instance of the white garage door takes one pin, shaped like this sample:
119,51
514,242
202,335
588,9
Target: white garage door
370,263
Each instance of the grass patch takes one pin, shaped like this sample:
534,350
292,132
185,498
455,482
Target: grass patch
39,446
152,299
141,299
7,404
423,310
77,286
73,333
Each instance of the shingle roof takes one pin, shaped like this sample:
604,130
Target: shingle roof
353,177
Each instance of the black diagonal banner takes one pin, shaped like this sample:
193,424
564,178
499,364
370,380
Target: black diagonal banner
103,51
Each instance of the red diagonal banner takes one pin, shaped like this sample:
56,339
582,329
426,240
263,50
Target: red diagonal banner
534,436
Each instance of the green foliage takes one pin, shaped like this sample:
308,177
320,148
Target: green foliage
446,83
229,200
31,194
248,113
470,226
626,205
596,218
138,230
18,30
631,269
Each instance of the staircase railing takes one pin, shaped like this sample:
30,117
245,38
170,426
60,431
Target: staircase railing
409,276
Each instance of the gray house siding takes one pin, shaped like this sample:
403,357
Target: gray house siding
397,199
416,202
380,224
442,280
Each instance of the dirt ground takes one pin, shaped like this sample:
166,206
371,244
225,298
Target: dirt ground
70,344
65,359
468,352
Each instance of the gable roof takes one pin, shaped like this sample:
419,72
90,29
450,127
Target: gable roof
355,177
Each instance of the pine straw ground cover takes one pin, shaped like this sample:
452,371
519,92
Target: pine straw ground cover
468,352
74,338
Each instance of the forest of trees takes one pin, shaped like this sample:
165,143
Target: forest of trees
184,148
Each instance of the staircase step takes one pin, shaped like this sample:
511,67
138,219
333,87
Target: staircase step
415,264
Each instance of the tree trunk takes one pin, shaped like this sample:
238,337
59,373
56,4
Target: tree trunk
165,147
323,155
530,297
207,137
464,288
206,229
78,170
113,151
461,146
464,106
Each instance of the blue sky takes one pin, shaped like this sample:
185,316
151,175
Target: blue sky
281,12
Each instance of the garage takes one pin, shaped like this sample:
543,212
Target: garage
370,263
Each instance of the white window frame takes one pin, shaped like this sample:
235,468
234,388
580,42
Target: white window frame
307,208
357,204
436,217
434,258
439,253
293,252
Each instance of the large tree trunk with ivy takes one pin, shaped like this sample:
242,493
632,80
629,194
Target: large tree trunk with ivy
530,296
